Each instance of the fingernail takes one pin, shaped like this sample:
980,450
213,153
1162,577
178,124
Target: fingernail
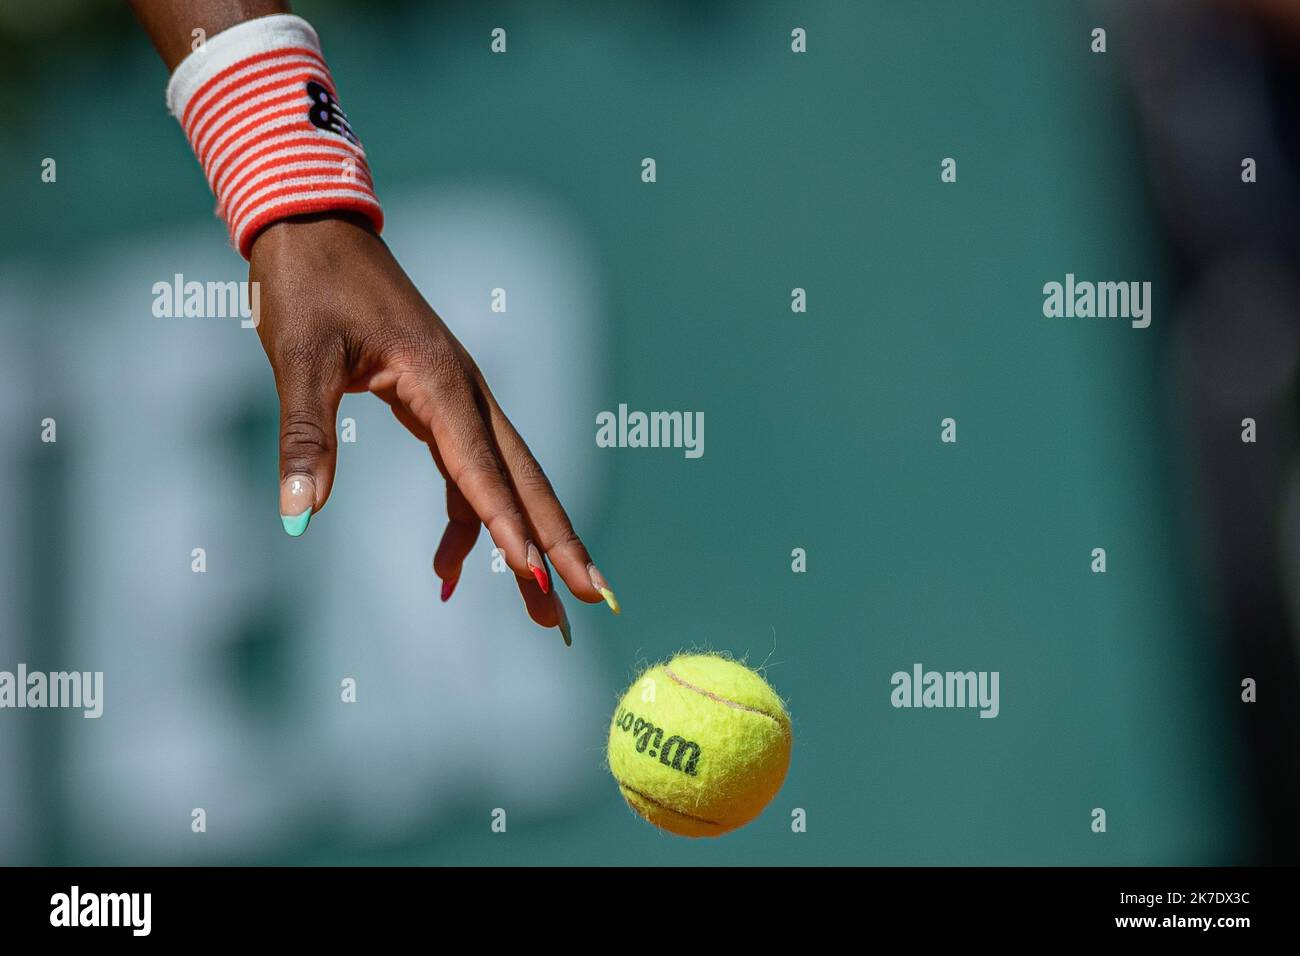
297,495
539,570
564,622
449,586
600,584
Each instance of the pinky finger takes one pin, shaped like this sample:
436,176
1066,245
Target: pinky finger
457,541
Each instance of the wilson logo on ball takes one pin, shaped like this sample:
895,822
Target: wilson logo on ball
650,741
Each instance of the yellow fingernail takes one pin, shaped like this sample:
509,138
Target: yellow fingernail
600,584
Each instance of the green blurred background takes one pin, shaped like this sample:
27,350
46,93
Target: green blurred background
775,171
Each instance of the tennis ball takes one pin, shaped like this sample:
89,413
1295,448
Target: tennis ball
699,745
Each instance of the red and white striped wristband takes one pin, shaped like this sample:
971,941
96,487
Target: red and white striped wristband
259,108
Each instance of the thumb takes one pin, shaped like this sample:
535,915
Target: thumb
308,443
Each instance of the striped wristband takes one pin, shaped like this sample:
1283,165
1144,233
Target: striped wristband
259,108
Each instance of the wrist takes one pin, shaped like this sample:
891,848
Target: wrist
259,107
329,227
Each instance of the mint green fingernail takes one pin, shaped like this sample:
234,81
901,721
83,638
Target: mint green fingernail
295,525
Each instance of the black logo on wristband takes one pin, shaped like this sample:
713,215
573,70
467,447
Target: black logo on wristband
326,114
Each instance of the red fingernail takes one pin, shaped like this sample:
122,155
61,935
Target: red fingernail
449,586
539,570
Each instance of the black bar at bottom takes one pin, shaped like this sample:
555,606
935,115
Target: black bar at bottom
328,905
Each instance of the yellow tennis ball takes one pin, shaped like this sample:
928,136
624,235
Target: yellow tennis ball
699,745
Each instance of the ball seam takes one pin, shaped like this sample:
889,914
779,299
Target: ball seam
671,809
719,698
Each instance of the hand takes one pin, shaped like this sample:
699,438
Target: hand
338,314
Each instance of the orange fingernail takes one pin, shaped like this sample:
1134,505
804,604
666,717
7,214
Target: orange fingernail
564,622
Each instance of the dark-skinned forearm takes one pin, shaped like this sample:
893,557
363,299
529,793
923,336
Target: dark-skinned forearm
171,23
